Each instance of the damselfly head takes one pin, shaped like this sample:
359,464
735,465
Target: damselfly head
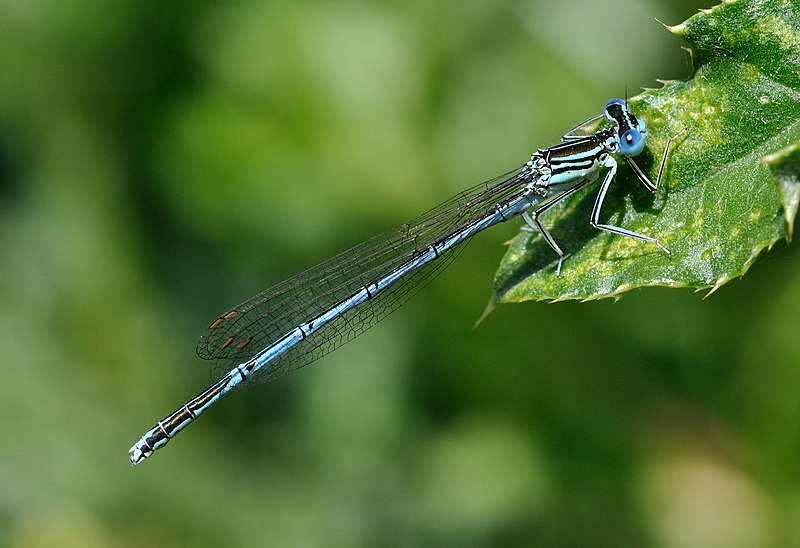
630,130
616,110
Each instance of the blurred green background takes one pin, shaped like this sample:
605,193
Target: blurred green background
162,162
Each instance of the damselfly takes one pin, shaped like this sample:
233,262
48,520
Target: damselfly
315,312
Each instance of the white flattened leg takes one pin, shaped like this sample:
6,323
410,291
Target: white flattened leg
536,226
598,205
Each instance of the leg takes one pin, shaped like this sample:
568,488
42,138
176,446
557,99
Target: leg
640,174
530,225
598,204
536,226
568,136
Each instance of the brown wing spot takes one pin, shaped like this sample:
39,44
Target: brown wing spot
244,343
227,342
216,323
221,319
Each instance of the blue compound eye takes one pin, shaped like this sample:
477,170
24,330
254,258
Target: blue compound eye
614,110
631,143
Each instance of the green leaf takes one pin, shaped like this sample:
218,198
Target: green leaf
730,188
785,165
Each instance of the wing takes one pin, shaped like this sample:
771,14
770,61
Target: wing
245,330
